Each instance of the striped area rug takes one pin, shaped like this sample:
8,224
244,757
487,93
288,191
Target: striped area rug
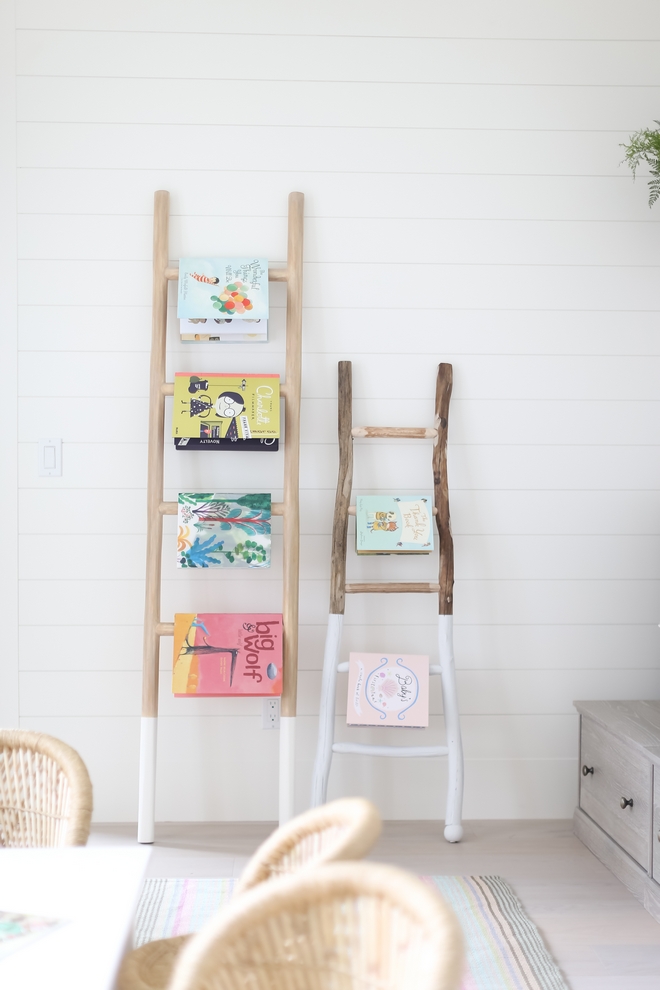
504,948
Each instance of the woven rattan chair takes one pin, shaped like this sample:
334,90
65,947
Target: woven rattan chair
345,926
45,792
344,829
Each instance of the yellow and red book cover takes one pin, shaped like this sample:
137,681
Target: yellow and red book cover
235,407
221,654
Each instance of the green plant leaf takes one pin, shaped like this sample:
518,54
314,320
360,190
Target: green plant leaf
644,148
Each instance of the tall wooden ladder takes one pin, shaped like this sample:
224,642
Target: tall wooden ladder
339,588
157,508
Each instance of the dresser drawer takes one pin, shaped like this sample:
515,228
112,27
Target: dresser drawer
619,774
655,837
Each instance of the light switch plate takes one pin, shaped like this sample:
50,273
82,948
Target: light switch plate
50,458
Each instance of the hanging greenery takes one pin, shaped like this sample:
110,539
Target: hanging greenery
644,146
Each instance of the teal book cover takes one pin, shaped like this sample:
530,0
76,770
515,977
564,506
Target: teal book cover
394,524
223,530
233,288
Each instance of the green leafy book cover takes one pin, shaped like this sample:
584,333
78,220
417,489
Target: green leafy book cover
223,530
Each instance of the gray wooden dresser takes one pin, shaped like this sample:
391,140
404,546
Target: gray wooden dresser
618,815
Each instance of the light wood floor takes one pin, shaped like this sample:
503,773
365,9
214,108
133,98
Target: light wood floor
601,937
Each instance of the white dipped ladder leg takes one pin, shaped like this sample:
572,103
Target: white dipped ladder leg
326,738
291,496
454,809
453,813
323,760
149,724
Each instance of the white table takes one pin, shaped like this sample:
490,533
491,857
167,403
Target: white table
97,889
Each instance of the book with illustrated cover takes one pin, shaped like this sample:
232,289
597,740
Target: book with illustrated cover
388,689
240,407
212,442
225,331
394,524
19,930
223,654
217,287
223,530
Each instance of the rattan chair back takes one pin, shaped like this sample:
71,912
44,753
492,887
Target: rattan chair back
45,792
343,829
345,926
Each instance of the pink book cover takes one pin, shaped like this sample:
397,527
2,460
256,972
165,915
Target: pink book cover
388,689
221,654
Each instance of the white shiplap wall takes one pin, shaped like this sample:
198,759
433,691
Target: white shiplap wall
464,203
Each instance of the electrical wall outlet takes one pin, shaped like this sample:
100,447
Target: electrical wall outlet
270,714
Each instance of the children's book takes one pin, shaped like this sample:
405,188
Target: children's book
388,689
394,524
238,406
217,287
221,443
223,654
225,331
223,530
20,930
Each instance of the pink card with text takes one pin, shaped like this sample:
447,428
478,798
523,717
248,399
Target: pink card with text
388,689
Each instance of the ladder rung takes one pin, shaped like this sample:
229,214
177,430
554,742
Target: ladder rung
165,629
167,388
407,432
393,588
401,751
172,508
352,510
434,668
274,274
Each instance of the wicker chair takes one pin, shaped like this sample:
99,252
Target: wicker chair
344,829
45,792
345,926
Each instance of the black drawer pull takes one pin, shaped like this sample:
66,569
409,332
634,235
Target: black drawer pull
626,802
586,770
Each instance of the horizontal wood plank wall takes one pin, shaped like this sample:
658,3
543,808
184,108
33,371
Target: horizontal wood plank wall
464,202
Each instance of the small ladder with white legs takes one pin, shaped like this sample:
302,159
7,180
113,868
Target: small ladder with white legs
444,589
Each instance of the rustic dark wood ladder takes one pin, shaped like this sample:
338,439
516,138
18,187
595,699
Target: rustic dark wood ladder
339,588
